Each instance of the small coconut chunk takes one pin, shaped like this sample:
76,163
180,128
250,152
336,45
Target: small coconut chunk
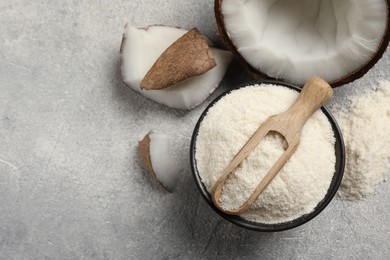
141,48
189,56
156,152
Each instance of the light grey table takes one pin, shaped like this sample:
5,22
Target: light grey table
71,182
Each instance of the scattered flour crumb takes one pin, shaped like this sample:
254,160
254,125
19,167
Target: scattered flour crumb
366,131
299,186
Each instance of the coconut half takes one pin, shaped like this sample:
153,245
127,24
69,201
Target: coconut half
141,48
156,152
292,40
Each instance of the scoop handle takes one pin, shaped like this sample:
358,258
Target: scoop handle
315,93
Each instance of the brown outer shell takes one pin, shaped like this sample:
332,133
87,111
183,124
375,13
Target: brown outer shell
188,56
358,73
144,150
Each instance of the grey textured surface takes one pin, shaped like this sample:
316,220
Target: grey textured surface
71,182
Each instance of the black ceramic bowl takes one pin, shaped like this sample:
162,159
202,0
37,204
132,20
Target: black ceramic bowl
334,185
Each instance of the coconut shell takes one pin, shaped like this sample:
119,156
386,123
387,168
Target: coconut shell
144,150
189,56
358,73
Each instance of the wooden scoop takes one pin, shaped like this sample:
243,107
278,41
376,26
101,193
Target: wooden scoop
315,93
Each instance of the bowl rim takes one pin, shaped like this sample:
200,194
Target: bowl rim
262,227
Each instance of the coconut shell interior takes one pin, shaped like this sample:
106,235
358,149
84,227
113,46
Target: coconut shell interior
336,83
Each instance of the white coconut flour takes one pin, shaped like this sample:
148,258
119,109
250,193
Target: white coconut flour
298,187
366,130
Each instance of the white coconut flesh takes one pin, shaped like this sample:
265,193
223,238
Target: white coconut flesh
295,39
140,50
163,162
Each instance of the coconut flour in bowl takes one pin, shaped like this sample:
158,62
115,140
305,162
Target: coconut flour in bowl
301,184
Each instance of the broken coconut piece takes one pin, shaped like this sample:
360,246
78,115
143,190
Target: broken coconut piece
293,40
155,151
142,47
188,56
